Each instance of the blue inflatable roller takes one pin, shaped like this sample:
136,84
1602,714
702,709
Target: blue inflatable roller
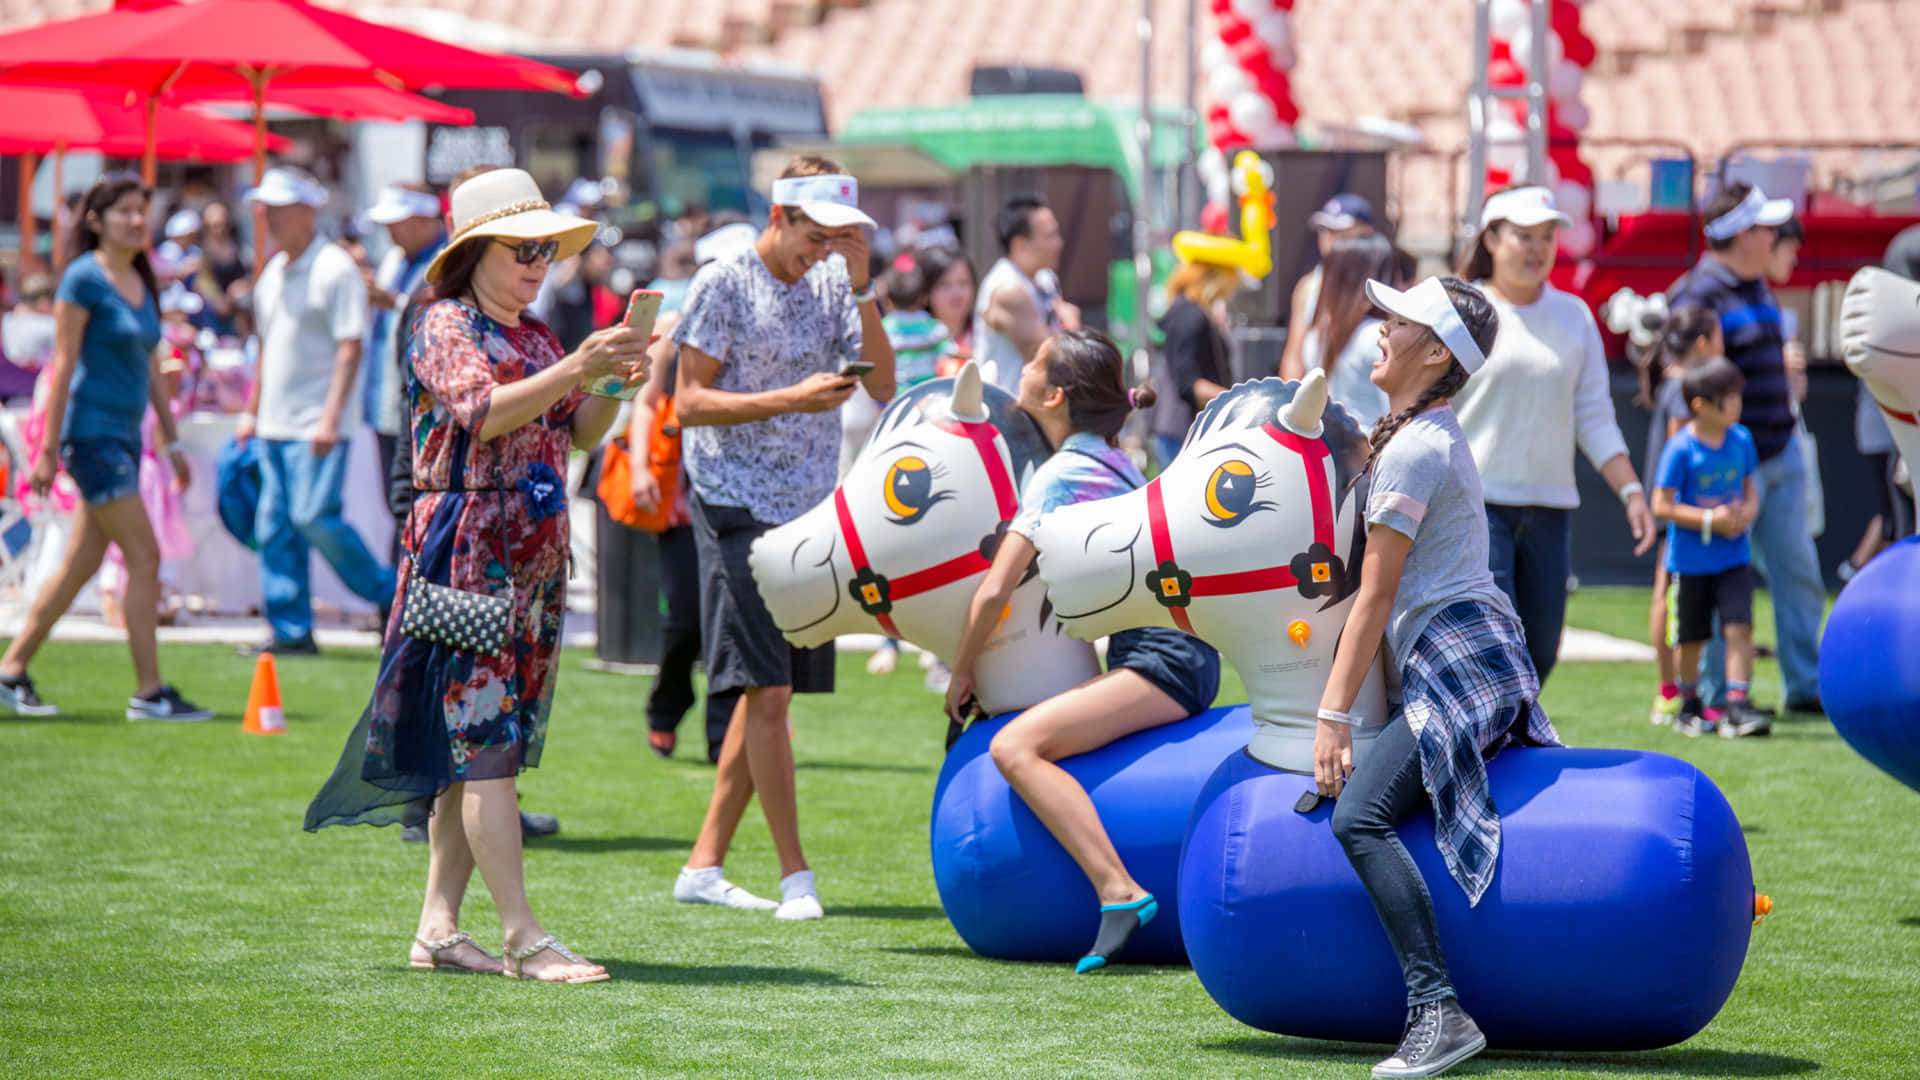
1869,680
1010,889
1617,919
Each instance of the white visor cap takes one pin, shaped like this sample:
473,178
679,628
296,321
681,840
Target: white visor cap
1427,304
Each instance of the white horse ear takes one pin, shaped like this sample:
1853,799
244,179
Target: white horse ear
969,400
1302,415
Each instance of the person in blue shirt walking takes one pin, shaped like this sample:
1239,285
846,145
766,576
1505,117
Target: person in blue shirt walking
105,375
1707,494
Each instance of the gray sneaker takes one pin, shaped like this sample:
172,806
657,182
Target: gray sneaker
1742,720
20,696
1439,1036
166,704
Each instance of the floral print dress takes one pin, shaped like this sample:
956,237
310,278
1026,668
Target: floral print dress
488,517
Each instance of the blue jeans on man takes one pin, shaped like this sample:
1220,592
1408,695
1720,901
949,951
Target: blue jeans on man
1783,553
300,512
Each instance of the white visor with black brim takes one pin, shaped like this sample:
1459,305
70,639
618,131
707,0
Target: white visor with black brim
832,200
1427,304
1755,209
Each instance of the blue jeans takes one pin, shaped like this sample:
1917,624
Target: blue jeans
1386,789
1164,449
1783,553
300,510
1530,551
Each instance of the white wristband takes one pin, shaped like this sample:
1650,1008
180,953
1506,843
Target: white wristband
1706,527
1630,490
1335,716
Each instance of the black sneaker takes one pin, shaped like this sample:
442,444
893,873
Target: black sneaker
1439,1036
1692,721
166,704
19,695
303,647
1742,720
532,825
414,834
1807,705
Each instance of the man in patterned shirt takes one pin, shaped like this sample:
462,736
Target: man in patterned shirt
767,341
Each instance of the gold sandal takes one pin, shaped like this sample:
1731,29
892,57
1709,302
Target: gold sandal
515,965
435,948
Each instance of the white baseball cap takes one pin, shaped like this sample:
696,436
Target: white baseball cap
182,223
397,204
287,187
1427,304
724,241
1755,209
832,199
1523,206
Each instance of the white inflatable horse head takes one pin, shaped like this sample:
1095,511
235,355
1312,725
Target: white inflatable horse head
1880,337
1251,540
900,546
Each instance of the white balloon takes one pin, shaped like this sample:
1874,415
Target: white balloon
1252,112
1275,31
1219,190
1577,239
1251,9
1213,54
1523,49
1574,115
1563,83
1228,81
1574,200
1502,128
1505,18
1507,157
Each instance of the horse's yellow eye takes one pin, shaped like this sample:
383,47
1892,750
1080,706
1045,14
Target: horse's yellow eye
909,488
1230,490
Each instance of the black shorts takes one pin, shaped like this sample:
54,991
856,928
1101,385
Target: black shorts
1179,665
743,647
1694,599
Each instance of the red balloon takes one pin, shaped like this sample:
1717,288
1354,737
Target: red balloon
1505,73
1498,178
1213,219
1499,49
1564,17
1218,112
1234,30
1220,7
1579,48
1274,84
1252,55
1567,160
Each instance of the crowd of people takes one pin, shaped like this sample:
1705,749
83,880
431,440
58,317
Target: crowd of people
469,347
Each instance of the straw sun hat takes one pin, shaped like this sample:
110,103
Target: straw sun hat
506,203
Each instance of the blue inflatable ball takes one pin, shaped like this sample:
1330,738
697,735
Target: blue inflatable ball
1011,890
1617,918
1869,680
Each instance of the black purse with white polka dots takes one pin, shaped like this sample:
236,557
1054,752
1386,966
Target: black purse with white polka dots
471,622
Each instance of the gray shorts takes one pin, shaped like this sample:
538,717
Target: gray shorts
743,647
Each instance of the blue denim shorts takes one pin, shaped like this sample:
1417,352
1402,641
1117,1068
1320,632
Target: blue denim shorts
1180,665
103,469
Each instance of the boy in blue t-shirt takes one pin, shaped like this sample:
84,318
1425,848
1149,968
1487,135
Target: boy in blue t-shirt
1705,493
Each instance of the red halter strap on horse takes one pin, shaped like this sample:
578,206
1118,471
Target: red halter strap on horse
875,592
1910,419
1315,571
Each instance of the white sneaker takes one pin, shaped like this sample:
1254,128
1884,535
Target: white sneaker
798,898
708,885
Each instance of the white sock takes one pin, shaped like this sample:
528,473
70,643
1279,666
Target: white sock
708,885
798,898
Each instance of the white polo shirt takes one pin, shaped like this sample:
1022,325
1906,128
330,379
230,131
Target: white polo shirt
303,309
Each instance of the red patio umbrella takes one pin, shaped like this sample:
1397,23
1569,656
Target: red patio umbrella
43,121
362,103
228,47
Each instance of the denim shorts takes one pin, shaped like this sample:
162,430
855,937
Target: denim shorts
103,469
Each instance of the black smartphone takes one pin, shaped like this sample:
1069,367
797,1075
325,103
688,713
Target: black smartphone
1308,802
856,368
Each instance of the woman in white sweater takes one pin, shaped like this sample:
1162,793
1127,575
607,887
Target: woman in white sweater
1544,391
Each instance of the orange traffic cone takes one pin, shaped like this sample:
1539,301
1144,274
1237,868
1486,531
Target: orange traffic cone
264,715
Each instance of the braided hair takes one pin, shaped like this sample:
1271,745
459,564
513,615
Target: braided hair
1482,325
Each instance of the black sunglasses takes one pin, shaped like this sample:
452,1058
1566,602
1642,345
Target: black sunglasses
526,251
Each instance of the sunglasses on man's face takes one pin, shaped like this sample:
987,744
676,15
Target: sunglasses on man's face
526,251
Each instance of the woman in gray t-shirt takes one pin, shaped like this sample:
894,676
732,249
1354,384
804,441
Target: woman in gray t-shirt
1456,657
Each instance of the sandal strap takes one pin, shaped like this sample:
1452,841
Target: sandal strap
519,956
459,937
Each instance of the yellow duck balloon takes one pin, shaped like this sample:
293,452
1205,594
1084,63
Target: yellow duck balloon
1252,254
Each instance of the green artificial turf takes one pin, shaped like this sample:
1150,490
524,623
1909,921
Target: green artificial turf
162,914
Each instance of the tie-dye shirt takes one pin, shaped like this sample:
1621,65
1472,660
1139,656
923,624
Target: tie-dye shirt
1085,468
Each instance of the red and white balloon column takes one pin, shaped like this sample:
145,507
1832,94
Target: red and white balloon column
1246,67
1569,53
